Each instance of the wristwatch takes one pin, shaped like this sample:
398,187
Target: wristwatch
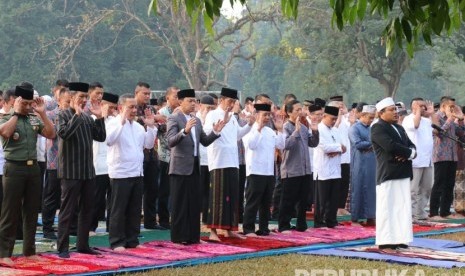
16,114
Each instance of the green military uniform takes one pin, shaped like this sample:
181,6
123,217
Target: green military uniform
21,184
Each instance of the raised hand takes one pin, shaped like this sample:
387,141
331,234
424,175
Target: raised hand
227,116
17,104
251,119
105,109
279,122
149,118
39,106
297,124
429,108
95,109
191,123
218,126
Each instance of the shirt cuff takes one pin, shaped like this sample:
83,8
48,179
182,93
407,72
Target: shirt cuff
182,133
412,155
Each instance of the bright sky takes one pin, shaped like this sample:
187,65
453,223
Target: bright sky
232,13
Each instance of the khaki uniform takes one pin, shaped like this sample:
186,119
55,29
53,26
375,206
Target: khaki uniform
21,184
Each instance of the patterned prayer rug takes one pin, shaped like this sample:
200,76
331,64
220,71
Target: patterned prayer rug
57,266
20,272
413,252
298,238
158,253
211,248
254,243
112,260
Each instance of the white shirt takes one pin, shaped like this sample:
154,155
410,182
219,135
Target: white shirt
40,147
203,157
422,137
100,150
327,167
223,152
192,133
126,145
260,148
344,135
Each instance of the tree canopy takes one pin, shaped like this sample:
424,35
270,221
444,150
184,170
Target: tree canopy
407,22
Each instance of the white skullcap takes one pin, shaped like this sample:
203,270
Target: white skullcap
384,103
369,109
36,94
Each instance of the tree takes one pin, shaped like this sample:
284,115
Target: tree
181,38
407,20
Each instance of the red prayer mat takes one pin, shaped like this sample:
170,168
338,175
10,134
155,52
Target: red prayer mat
114,260
254,243
159,253
298,238
211,248
19,272
49,265
342,233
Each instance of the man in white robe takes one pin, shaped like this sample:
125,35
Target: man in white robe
394,152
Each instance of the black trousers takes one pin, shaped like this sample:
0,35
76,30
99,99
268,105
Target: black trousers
21,196
276,200
185,211
344,186
242,179
43,168
258,195
442,193
326,202
102,200
51,200
78,195
205,191
150,193
126,202
164,195
294,196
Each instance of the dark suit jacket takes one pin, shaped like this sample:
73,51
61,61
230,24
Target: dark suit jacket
387,144
182,146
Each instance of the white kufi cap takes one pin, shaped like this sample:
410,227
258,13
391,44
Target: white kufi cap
384,103
369,109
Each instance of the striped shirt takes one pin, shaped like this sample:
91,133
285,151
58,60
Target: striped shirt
76,134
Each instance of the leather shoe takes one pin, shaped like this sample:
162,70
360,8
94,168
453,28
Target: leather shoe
63,254
388,246
401,245
89,251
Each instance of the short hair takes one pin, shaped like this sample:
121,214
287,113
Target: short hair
445,99
170,90
9,93
62,82
94,85
360,106
214,96
1,93
140,85
248,100
289,107
161,100
289,96
259,97
63,90
123,98
27,84
416,99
